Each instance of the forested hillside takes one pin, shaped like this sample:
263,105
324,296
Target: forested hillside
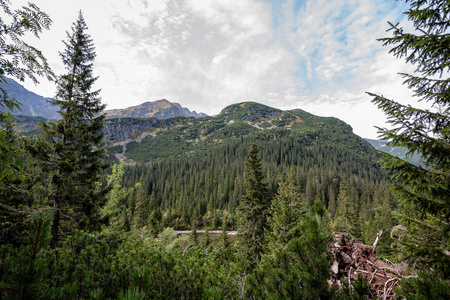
202,179
150,140
192,170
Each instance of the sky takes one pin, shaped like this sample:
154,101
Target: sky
321,56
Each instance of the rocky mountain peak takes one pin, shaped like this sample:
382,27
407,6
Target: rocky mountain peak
160,109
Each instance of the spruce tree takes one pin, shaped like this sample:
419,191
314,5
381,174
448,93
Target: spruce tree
424,188
70,151
140,212
24,268
253,208
285,211
345,216
116,198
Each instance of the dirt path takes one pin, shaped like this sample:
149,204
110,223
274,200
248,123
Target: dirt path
178,232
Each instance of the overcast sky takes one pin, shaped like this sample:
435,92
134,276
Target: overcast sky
317,55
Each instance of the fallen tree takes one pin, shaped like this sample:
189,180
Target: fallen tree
351,259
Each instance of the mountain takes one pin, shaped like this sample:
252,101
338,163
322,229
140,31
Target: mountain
35,105
160,109
31,104
397,151
145,140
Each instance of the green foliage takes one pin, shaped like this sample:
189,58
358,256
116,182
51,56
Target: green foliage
285,211
116,199
423,188
253,208
346,214
82,264
140,211
23,268
69,153
11,160
300,269
131,294
357,289
194,236
13,192
426,286
20,60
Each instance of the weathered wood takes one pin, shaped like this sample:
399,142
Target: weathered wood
377,239
351,259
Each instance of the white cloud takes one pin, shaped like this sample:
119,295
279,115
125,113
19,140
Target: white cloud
206,52
320,55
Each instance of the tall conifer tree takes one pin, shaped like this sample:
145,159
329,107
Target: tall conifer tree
141,211
425,188
70,150
253,208
285,211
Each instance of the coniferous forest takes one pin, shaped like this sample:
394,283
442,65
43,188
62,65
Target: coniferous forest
285,194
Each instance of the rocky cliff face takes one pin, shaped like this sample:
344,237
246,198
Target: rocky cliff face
161,109
126,128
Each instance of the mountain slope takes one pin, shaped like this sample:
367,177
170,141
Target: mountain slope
397,151
148,140
144,140
31,104
194,169
160,109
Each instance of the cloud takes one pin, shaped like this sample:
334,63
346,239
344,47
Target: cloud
207,54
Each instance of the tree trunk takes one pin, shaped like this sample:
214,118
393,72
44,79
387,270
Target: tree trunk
55,227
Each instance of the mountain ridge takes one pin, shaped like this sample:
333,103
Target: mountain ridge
149,139
160,109
32,104
35,105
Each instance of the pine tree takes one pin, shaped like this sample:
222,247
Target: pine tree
424,188
345,216
332,201
225,242
193,237
206,242
70,151
24,268
253,208
116,199
140,213
125,220
285,211
299,270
